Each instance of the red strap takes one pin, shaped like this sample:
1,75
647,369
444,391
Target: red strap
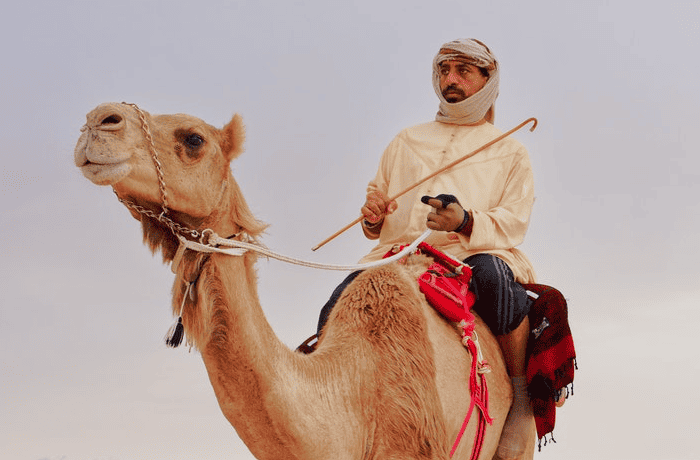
464,427
479,398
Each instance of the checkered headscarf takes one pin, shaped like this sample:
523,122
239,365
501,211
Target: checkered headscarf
479,105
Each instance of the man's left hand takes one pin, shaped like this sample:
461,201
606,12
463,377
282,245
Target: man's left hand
447,215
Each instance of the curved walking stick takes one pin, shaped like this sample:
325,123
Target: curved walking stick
439,171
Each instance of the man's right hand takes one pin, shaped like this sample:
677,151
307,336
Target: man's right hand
377,206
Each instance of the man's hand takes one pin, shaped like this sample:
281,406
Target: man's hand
448,216
377,206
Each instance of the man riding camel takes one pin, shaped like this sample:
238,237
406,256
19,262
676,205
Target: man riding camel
480,208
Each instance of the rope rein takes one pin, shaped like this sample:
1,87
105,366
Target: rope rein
234,247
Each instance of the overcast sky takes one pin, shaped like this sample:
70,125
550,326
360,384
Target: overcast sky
323,87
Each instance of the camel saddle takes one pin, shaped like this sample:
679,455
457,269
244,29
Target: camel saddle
551,357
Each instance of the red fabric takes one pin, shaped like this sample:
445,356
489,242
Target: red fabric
551,354
447,292
479,399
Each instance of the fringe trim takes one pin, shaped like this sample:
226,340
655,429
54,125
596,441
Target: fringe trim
569,391
545,440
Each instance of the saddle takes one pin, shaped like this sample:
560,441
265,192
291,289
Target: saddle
551,355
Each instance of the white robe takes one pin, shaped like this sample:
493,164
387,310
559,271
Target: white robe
495,186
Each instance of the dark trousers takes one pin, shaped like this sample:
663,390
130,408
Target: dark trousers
500,301
326,310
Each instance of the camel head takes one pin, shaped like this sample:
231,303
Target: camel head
125,147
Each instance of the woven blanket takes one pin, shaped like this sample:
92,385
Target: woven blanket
551,355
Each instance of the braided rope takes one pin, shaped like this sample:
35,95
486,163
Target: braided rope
172,225
154,155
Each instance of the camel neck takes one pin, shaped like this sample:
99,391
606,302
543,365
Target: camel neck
243,357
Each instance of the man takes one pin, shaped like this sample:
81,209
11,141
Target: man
480,208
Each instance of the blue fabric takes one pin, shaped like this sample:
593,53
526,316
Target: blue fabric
326,310
500,301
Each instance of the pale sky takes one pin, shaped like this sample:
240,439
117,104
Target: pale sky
323,87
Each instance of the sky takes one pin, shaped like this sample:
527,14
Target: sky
323,87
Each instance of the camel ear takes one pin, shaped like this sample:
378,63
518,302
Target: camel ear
233,137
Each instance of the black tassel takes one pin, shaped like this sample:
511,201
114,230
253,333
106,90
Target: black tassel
175,334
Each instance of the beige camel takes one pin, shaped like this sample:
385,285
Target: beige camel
389,379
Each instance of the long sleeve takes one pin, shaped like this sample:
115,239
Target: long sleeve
504,225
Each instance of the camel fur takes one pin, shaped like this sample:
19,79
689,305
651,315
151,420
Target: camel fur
389,379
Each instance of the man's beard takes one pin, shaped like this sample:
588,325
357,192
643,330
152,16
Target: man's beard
456,94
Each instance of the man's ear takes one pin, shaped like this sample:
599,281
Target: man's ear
233,137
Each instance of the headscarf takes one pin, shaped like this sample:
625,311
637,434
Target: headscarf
475,107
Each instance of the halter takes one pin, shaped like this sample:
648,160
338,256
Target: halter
207,241
175,227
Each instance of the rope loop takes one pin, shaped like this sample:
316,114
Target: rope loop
206,236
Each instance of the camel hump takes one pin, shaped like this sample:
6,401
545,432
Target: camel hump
384,306
382,302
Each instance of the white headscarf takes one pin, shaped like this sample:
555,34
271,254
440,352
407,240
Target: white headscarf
474,108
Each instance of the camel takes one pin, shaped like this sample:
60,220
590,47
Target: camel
389,377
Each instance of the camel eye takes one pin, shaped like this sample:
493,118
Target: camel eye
194,140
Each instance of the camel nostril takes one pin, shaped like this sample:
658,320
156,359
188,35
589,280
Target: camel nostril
111,120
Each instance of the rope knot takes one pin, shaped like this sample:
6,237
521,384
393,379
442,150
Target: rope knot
207,235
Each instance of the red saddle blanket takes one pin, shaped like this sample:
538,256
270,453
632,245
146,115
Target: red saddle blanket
551,355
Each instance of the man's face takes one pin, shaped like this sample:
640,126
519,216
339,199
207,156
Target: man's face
459,80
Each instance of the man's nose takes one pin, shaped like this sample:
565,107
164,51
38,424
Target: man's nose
451,77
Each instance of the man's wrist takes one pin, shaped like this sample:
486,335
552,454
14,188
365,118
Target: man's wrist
465,222
371,226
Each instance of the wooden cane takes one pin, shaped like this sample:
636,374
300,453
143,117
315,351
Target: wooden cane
439,171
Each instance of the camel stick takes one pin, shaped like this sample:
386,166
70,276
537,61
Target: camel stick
430,176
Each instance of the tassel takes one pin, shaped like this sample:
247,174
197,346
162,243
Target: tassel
175,334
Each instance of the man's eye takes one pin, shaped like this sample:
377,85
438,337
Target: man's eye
194,140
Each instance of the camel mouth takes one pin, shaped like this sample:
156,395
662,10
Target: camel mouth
100,164
105,174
